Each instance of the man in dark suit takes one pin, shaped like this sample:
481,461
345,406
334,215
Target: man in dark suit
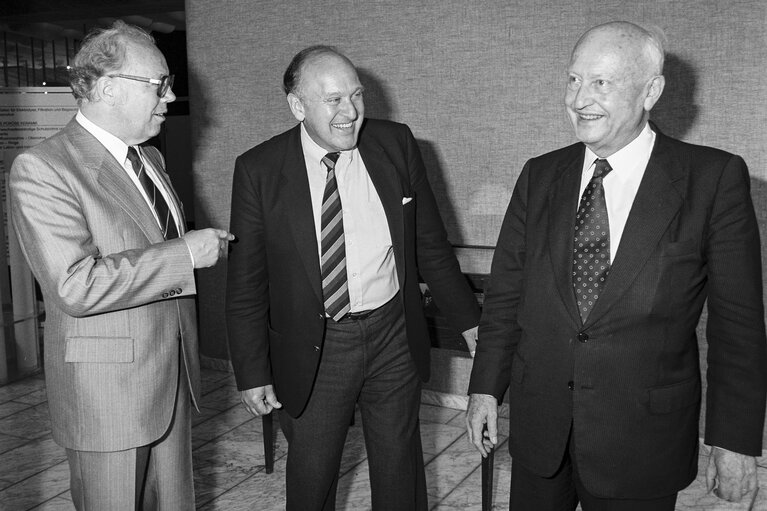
336,220
607,253
104,234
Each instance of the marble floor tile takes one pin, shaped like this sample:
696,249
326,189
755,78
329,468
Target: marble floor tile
222,398
437,437
228,458
29,459
438,414
448,470
261,491
204,493
11,407
33,398
8,442
31,422
57,504
20,388
223,422
203,415
467,496
42,486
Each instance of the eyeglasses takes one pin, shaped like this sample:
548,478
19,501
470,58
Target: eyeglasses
164,84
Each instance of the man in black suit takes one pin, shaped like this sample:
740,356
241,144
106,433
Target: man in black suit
336,220
607,253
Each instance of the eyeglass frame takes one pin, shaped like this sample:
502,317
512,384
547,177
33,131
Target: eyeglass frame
164,84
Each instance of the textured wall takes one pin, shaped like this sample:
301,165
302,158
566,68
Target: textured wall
480,83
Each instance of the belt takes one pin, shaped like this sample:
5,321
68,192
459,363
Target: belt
357,316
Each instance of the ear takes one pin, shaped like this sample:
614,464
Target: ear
654,91
296,107
105,90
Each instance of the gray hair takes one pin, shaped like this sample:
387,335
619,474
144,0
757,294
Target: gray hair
103,52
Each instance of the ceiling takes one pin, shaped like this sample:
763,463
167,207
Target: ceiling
52,19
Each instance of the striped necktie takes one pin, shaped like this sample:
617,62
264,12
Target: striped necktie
591,243
167,223
335,288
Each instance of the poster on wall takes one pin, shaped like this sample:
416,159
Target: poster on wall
28,116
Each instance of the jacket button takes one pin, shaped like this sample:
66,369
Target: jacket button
165,295
316,348
172,292
320,315
178,290
570,385
583,336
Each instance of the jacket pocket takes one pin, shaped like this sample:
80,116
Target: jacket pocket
99,350
670,398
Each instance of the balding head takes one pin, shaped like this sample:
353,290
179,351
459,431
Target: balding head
634,43
614,80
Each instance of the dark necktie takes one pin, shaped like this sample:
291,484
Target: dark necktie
591,245
168,225
335,287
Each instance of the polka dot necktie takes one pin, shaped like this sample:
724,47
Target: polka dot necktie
591,244
335,286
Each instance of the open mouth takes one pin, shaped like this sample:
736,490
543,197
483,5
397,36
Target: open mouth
344,126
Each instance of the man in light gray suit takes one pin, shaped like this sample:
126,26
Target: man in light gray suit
103,231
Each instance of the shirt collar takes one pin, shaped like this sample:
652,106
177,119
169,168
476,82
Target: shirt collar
114,145
636,150
314,152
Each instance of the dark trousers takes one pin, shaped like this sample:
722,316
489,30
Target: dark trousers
563,491
365,362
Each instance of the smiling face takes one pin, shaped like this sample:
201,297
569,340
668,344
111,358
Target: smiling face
328,100
610,89
139,110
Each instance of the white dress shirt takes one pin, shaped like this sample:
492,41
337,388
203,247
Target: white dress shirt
622,183
119,150
370,267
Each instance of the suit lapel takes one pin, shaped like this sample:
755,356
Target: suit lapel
563,204
387,183
656,204
298,201
114,181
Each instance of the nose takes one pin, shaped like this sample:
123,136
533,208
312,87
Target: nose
581,97
169,97
349,109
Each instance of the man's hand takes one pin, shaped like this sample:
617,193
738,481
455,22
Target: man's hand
483,409
207,245
731,475
260,400
470,336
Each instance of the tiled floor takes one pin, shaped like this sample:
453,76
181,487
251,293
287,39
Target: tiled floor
228,457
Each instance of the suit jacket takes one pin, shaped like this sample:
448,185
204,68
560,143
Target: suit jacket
628,379
275,313
117,296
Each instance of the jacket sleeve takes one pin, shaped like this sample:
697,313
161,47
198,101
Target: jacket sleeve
499,331
66,253
737,350
247,300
